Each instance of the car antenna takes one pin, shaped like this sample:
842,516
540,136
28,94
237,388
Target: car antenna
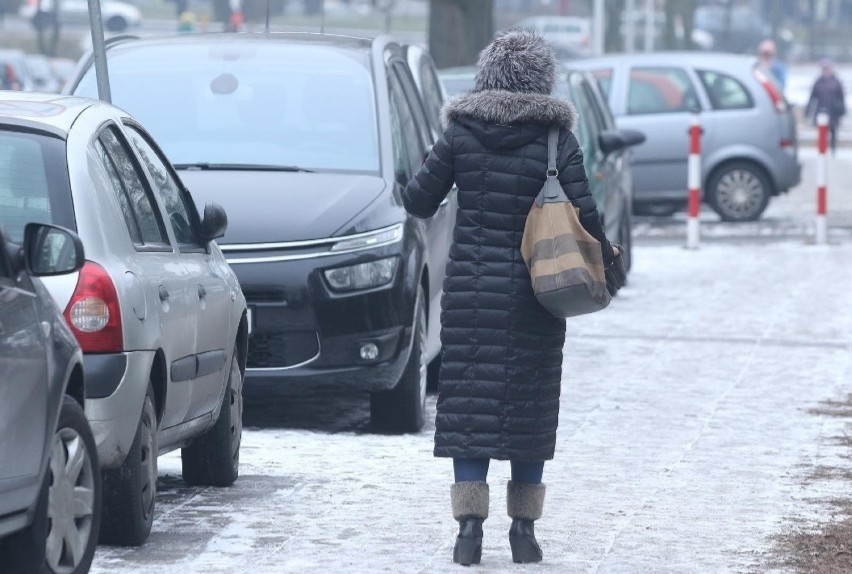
322,17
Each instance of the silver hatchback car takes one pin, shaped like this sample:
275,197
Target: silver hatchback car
158,313
749,147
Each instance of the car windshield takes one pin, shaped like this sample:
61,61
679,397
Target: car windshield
271,104
33,182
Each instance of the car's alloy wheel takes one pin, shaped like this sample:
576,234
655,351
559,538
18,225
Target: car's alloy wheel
74,495
130,491
403,408
213,459
739,192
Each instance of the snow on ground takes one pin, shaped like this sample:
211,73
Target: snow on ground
693,432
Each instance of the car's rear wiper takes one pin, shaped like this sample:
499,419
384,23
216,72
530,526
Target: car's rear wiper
203,166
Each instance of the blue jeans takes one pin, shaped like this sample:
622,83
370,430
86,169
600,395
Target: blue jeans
476,469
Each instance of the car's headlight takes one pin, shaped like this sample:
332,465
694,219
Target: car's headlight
362,276
370,239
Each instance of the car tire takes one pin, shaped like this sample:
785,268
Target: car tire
25,552
213,459
739,191
433,375
116,24
130,491
626,238
73,470
403,408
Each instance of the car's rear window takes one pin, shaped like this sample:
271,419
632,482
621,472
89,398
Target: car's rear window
250,103
33,182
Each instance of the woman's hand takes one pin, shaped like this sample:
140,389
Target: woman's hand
615,273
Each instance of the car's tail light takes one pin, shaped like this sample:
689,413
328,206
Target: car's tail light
94,313
772,90
786,142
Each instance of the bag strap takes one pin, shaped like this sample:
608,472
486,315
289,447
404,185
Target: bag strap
552,148
552,191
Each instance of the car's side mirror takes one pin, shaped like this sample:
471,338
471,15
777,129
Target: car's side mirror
215,222
51,250
616,140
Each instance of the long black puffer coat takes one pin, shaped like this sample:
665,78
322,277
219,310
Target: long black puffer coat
501,365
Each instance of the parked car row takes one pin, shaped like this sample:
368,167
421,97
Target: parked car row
33,72
155,326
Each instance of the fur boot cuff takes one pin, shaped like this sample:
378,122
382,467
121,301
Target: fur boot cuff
470,499
524,500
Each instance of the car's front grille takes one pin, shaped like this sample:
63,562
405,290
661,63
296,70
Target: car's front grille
282,350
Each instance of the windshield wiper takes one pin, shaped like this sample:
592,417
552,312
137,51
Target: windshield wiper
204,166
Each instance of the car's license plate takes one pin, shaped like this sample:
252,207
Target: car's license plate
250,319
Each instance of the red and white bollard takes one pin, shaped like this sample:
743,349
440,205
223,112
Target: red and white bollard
822,180
693,223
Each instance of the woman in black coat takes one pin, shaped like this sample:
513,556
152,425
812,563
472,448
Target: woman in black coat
501,366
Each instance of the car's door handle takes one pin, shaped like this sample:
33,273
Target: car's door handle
202,292
164,293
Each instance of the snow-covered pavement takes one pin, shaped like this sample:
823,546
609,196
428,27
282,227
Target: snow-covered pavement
692,422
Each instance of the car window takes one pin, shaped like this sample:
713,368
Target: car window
23,185
433,98
660,90
587,125
604,78
725,92
112,181
179,207
401,167
128,175
33,183
251,103
415,105
594,107
413,147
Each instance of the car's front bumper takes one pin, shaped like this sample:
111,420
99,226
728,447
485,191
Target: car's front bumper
306,335
116,385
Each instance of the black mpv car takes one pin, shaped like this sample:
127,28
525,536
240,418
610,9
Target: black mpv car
307,141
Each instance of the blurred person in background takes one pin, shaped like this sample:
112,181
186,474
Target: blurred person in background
827,97
501,366
767,53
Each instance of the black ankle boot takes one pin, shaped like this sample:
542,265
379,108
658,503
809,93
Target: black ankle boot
525,503
470,508
525,547
468,549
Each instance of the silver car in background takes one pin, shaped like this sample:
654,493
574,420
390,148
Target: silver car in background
158,313
749,146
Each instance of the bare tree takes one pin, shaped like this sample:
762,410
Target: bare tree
459,29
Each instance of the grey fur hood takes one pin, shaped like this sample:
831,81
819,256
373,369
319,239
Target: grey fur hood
509,108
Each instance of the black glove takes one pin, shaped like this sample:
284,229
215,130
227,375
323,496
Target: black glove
616,273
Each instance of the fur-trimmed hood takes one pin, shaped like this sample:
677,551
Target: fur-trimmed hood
501,107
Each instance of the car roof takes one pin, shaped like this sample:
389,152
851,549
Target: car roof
47,112
307,38
711,59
